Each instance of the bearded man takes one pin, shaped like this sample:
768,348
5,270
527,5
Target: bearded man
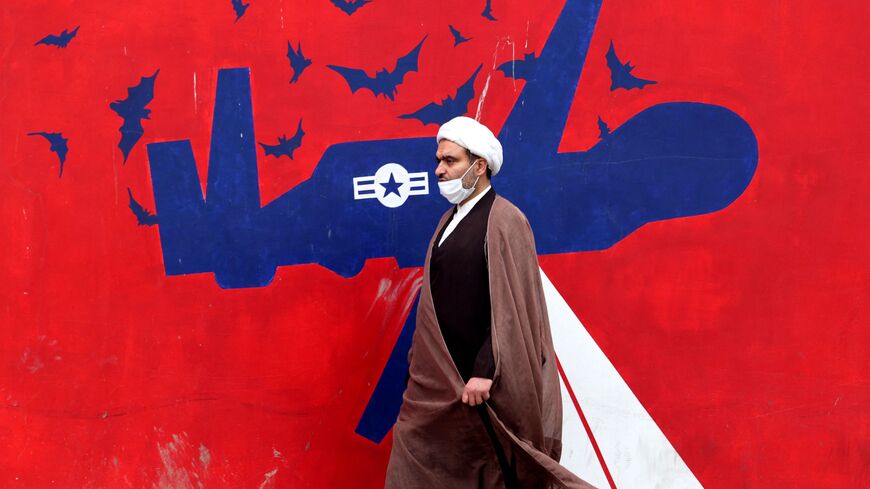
482,408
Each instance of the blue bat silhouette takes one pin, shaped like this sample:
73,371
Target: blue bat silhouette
349,7
240,8
384,82
457,36
520,69
670,160
132,110
58,145
603,130
143,216
487,11
620,73
61,40
285,146
439,113
298,61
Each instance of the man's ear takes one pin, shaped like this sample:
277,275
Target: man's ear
479,171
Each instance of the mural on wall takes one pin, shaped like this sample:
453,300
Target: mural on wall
190,308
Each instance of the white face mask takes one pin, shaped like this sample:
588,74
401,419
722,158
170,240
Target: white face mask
454,191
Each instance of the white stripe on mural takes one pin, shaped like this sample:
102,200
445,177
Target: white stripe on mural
577,452
636,452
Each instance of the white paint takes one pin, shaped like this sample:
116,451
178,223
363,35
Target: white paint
577,452
383,287
204,456
31,360
372,186
267,478
194,92
482,97
636,452
173,474
528,23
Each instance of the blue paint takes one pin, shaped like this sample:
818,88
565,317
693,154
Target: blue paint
58,145
222,235
384,82
670,160
520,69
350,6
620,73
298,61
286,146
384,403
59,41
132,110
457,36
391,186
487,11
439,113
603,128
240,8
143,216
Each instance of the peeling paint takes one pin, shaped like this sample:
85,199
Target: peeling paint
498,47
181,463
482,97
204,456
31,361
267,478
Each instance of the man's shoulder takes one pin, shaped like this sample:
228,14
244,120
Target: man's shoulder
506,218
509,227
504,211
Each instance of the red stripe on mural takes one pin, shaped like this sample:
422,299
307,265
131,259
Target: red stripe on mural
585,425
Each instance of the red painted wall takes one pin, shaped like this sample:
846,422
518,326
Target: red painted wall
743,332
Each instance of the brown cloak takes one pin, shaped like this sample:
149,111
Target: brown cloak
441,443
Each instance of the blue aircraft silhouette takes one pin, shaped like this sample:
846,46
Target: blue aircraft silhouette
670,160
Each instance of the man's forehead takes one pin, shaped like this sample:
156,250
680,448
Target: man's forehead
449,148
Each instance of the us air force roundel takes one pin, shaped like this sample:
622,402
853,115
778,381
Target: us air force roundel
391,185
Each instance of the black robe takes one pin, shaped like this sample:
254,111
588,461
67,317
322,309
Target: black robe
459,278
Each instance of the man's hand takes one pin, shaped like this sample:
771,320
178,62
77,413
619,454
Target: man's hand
476,391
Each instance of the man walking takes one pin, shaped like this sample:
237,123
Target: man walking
482,408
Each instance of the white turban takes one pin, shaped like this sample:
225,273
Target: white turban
474,137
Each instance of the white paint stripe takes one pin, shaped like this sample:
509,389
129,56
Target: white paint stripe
578,456
637,453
